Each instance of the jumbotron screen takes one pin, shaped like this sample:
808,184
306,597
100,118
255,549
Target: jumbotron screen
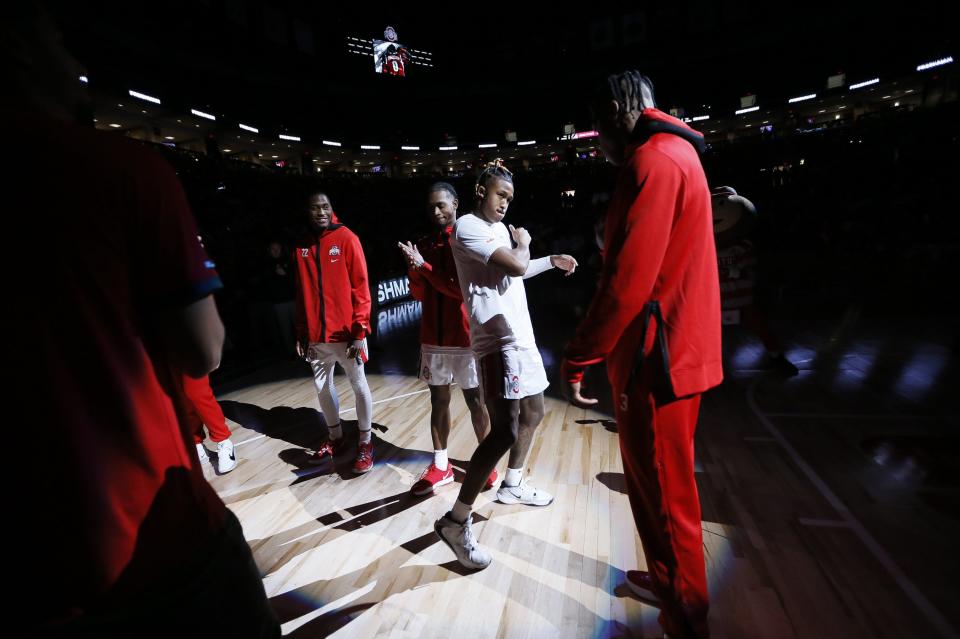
390,57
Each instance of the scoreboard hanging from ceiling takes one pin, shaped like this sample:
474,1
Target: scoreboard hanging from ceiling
390,57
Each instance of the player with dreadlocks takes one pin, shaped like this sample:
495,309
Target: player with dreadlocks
491,269
655,319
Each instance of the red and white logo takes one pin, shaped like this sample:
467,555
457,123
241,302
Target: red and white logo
515,384
334,251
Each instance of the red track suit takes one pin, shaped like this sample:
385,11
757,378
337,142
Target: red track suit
138,543
444,321
203,409
656,319
336,306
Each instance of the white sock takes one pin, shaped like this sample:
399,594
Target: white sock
460,512
440,459
513,476
366,436
336,432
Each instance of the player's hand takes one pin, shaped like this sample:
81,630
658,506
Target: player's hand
412,254
301,348
355,348
564,262
520,236
571,391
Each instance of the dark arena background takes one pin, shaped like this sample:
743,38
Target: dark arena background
826,462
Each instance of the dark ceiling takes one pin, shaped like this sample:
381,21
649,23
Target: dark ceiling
497,67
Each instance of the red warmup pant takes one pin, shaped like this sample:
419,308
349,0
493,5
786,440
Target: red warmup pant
202,408
656,444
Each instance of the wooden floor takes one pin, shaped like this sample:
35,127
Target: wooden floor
357,557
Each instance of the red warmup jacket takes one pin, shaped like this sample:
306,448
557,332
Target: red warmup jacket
336,306
444,321
660,260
